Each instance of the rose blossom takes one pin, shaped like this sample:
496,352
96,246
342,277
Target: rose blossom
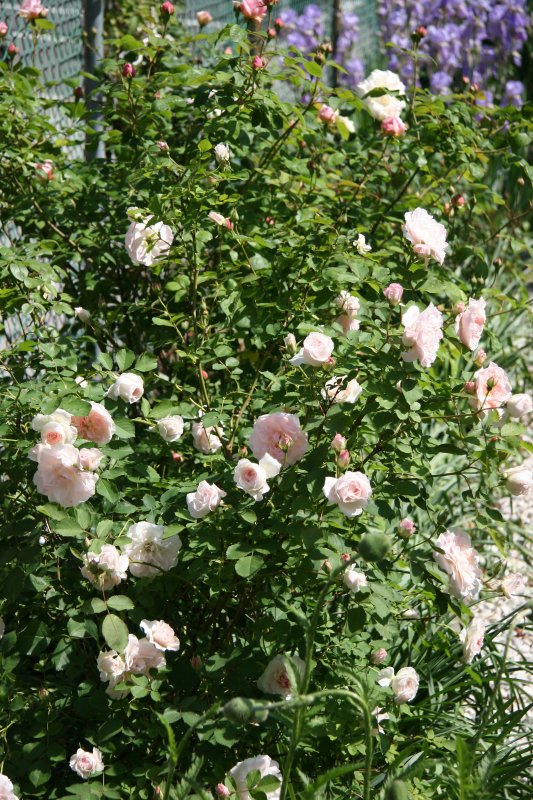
61,478
160,634
272,430
460,561
170,428
275,679
361,246
379,717
512,584
379,656
422,334
97,426
253,9
469,323
327,115
205,499
6,789
351,492
148,552
252,478
519,480
218,219
355,581
519,405
393,126
128,387
110,665
147,244
85,763
427,236
140,656
222,153
56,428
387,105
290,342
265,765
403,683
90,458
204,439
203,18
348,303
406,527
167,8
105,569
394,293
472,639
491,389
222,791
338,443
82,314
3,30
343,459
316,351
337,392
32,9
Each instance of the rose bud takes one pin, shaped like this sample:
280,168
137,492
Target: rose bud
285,442
271,33
470,387
196,662
379,656
393,126
163,146
345,557
326,566
178,458
203,18
222,791
480,357
343,459
128,71
45,171
290,343
258,63
406,528
167,9
393,293
327,115
3,30
278,23
458,200
519,480
12,50
338,443
458,308
519,405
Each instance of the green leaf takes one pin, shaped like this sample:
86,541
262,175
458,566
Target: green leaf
313,69
146,363
115,633
125,359
75,405
52,511
68,527
106,361
125,428
120,602
204,145
248,566
107,490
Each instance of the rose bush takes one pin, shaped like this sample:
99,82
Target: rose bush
262,497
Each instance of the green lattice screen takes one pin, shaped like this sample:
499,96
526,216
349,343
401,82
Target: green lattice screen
59,52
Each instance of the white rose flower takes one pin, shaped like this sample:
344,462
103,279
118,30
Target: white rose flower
403,683
128,387
347,122
316,351
427,236
60,475
351,492
85,763
386,105
222,153
265,765
348,303
204,500
170,428
519,480
337,392
472,639
55,428
147,244
6,789
90,458
361,246
105,569
148,552
204,439
110,665
82,314
355,581
141,656
160,634
252,478
275,678
519,405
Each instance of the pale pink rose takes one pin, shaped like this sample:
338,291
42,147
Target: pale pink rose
519,480
253,9
427,236
265,765
361,246
6,789
128,386
348,303
105,569
222,791
406,527
141,656
339,391
85,763
327,115
204,500
97,426
252,478
147,244
379,717
512,584
469,323
347,323
271,430
403,683
204,439
275,678
472,639
354,580
258,62
519,405
61,478
203,18
383,106
459,559
480,357
422,334
56,428
351,492
82,314
393,126
492,388
110,665
160,634
3,29
290,342
316,351
90,458
217,218
170,428
45,171
379,656
343,459
394,293
148,552
338,443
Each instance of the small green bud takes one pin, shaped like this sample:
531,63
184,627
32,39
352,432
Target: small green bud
239,710
398,790
374,546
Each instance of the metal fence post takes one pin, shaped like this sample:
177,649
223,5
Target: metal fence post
94,52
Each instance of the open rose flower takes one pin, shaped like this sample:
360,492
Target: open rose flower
97,426
170,428
519,405
316,351
349,305
61,478
340,390
90,458
252,9
519,480
147,243
469,323
205,439
280,435
384,106
354,580
160,634
422,334
6,789
140,656
351,492
275,679
204,500
128,386
85,763
472,639
403,683
265,765
492,389
427,236
56,428
105,569
148,552
253,478
459,559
